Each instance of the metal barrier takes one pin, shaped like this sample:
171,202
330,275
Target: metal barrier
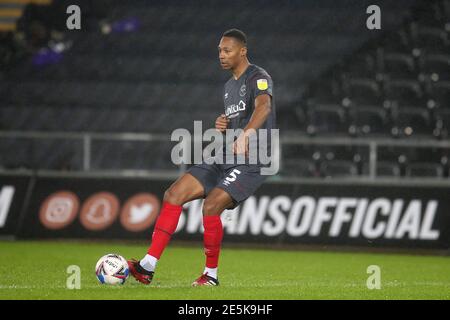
86,140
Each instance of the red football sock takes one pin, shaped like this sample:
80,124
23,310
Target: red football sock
212,239
165,226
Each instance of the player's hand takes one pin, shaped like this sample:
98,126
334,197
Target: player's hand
240,146
222,122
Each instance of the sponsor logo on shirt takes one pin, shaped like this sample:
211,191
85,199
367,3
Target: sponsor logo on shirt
234,108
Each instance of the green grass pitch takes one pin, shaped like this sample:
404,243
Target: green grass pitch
38,270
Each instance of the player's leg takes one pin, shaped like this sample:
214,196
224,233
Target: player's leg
215,203
239,183
184,189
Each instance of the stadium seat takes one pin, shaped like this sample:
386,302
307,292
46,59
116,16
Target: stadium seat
430,39
51,154
15,153
132,155
436,66
324,93
300,151
404,92
439,94
362,65
383,169
327,119
341,152
399,66
446,9
299,117
390,153
412,121
369,120
338,168
442,118
363,91
429,14
299,168
399,41
414,157
57,154
425,169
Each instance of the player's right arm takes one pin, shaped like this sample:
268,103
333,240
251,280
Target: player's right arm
222,122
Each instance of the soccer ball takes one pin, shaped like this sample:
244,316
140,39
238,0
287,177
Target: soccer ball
112,269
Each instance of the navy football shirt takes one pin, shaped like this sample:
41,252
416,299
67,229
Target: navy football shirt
239,100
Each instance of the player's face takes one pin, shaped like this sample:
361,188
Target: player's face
231,53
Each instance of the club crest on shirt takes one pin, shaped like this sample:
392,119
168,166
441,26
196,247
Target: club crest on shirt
262,84
243,90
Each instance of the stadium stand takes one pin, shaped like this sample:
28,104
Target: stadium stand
132,68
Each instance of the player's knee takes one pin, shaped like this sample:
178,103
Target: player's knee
173,197
212,207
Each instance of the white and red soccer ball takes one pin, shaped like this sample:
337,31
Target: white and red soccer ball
112,269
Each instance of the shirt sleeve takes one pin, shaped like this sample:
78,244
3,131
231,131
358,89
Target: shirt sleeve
261,84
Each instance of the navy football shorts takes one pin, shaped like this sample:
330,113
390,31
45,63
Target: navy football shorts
239,181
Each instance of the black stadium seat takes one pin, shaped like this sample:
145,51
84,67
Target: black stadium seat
439,94
442,118
413,121
294,120
363,65
383,169
398,41
436,66
327,119
430,39
293,167
424,169
325,93
404,92
369,120
338,168
430,13
363,91
399,66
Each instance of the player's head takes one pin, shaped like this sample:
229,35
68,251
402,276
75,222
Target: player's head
232,48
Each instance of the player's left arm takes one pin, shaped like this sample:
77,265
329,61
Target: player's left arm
263,107
262,89
262,110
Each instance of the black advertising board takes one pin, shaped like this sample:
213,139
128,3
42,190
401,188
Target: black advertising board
327,214
13,193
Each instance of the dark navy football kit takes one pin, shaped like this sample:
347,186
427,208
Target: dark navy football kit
239,180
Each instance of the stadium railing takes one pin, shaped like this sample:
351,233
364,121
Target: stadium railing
85,151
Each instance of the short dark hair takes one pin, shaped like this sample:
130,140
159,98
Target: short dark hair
237,34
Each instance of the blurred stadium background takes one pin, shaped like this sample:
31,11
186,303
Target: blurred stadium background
140,67
353,104
364,117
